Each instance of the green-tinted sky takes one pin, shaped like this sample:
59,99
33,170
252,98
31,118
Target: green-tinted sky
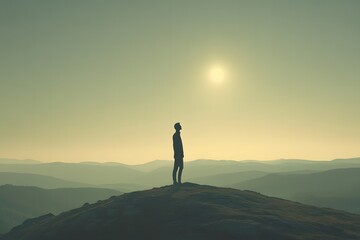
106,80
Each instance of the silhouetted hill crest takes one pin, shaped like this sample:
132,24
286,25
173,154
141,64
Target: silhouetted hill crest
191,211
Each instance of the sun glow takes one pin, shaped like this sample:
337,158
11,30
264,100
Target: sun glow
217,74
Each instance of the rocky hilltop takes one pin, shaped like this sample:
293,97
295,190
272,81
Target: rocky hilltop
191,211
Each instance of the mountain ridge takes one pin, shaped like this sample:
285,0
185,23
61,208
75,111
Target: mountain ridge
337,188
37,180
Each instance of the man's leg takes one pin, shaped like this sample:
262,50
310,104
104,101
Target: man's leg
181,166
174,171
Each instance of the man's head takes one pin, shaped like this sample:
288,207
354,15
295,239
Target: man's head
177,126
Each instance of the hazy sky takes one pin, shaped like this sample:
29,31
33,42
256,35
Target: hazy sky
106,80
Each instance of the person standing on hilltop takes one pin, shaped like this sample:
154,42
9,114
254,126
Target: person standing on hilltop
178,154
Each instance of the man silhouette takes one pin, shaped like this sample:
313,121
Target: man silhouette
178,154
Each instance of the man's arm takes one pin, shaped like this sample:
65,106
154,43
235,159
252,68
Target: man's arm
177,145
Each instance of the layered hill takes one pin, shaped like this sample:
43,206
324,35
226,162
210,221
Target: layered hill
158,173
37,180
226,179
191,211
78,172
18,203
337,188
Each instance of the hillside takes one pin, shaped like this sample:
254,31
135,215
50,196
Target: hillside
150,166
191,211
337,188
78,172
221,180
19,203
29,179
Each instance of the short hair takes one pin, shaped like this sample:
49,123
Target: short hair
177,125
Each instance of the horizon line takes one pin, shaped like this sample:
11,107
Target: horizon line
170,160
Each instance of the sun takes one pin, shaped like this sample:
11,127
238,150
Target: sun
217,74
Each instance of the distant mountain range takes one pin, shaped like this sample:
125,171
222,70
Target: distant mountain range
158,173
334,184
19,203
189,212
78,172
30,179
227,179
337,188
